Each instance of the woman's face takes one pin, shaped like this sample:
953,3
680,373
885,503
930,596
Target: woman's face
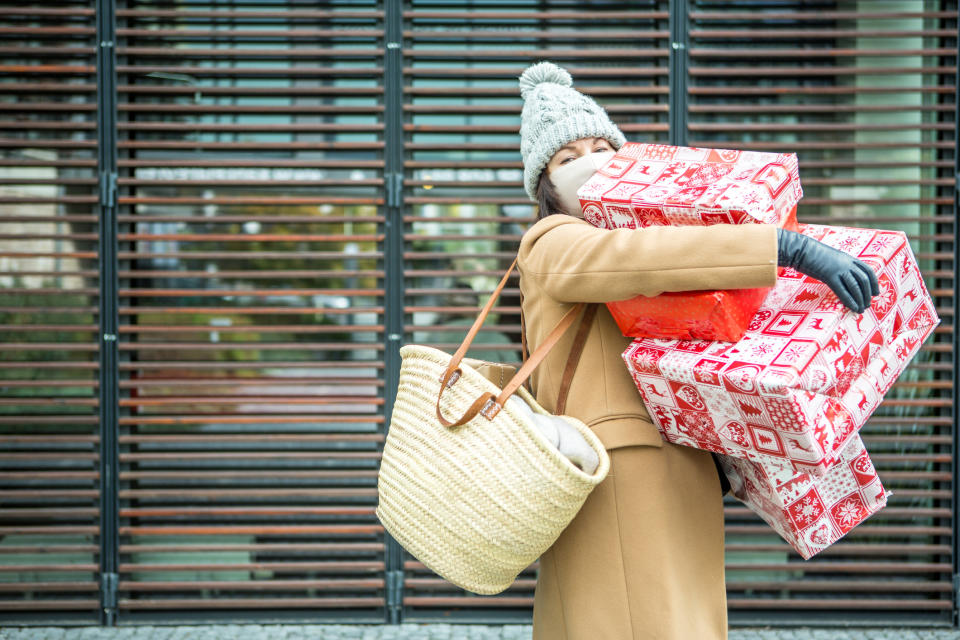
575,149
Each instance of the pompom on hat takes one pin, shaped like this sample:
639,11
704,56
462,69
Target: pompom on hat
555,114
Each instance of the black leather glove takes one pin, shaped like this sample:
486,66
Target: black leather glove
852,280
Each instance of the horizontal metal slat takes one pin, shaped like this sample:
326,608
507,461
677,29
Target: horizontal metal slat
219,530
248,603
804,71
273,109
223,33
188,162
251,585
264,547
580,16
194,127
740,92
240,455
232,72
467,601
14,11
46,605
818,15
853,604
247,437
553,54
804,109
237,90
289,201
519,35
258,418
752,54
48,586
186,14
181,511
226,474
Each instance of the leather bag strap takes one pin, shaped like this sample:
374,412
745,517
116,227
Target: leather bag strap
573,359
487,404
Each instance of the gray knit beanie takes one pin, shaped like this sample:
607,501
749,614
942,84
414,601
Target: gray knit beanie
555,114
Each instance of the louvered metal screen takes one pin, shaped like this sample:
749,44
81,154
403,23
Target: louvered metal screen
269,265
251,142
48,313
863,92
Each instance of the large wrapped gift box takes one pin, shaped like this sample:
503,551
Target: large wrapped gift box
645,185
655,184
808,372
808,512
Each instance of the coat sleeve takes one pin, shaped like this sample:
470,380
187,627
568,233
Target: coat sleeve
572,261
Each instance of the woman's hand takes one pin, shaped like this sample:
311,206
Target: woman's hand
851,280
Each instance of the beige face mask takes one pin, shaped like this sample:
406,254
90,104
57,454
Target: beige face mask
573,175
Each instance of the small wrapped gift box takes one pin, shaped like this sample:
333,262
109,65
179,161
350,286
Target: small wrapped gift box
808,372
705,315
808,512
645,185
654,184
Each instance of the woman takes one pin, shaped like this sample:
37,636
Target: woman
643,558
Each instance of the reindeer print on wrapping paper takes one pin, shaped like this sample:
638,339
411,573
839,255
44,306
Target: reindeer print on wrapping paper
862,405
652,390
836,340
795,444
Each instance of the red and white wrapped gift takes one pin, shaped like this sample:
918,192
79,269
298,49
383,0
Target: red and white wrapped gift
645,185
808,512
807,374
655,184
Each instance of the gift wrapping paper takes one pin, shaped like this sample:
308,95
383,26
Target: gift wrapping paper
655,184
808,372
808,512
705,315
645,185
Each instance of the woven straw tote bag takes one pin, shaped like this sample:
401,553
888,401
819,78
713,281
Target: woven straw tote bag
479,498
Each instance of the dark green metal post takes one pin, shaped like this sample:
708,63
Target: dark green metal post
954,335
109,314
679,48
393,261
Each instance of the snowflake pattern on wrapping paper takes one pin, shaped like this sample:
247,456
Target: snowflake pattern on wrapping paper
794,351
806,510
882,243
761,350
848,512
646,359
847,244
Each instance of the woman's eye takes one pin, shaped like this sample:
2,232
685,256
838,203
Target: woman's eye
564,161
601,149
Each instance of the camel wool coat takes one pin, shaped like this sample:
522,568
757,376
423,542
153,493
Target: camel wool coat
643,559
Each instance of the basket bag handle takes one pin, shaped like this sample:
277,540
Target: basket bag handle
488,405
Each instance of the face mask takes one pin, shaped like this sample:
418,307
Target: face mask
571,176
